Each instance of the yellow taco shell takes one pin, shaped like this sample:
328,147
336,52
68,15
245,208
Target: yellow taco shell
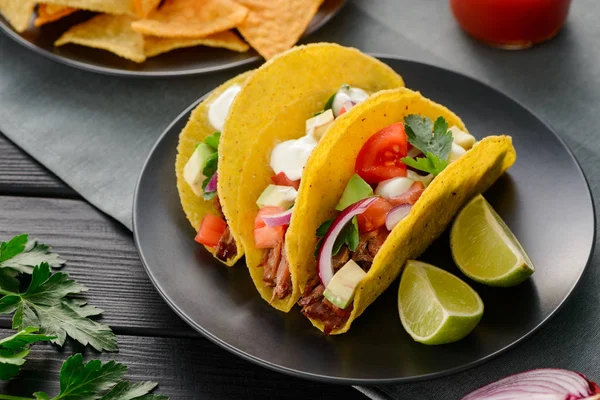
196,130
273,107
332,164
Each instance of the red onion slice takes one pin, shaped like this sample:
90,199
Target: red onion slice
212,184
324,259
282,218
546,383
396,215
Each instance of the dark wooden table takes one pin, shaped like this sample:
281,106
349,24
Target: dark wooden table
153,341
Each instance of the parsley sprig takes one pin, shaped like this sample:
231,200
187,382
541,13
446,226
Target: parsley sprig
95,380
47,304
432,138
211,165
15,348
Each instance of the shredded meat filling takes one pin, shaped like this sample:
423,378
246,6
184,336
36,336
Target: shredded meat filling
226,248
316,306
276,272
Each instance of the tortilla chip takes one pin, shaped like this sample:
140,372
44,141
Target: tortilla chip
154,46
17,12
332,164
50,12
116,7
273,26
108,32
144,7
195,131
192,18
273,107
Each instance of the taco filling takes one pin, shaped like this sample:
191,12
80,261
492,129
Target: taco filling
276,202
200,173
392,170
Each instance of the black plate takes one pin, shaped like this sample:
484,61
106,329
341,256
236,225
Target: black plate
544,199
190,61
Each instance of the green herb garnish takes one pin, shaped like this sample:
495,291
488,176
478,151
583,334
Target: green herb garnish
433,139
15,348
22,254
348,236
95,380
213,140
47,305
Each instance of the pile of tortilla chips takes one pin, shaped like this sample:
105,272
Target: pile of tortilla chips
138,29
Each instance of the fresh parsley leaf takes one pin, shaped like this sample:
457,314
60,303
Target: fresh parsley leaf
211,165
430,164
328,104
8,280
429,137
95,380
321,232
15,348
213,140
14,246
348,236
126,390
22,254
324,228
207,195
45,304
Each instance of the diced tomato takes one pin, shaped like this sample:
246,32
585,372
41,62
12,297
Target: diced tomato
374,217
410,196
210,231
266,237
281,179
381,156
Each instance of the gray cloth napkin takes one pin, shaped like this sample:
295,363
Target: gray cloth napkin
95,131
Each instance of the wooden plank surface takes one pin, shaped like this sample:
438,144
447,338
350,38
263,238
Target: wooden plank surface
155,343
185,369
101,255
20,175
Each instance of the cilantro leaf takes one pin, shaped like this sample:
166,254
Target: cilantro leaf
15,348
324,228
211,165
213,140
45,304
348,236
14,246
429,137
22,254
95,380
430,164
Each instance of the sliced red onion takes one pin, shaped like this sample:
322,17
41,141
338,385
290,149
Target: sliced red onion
282,218
212,184
396,215
325,254
544,384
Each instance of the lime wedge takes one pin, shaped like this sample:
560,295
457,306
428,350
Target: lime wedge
435,306
485,249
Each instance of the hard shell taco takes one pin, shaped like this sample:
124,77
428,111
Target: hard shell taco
284,110
197,171
383,184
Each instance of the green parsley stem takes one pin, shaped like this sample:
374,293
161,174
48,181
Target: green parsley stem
6,293
7,397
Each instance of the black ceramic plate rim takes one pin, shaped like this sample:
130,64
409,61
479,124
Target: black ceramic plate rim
4,26
349,381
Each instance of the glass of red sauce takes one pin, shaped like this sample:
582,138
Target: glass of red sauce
511,24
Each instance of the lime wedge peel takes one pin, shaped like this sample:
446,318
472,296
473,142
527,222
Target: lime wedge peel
435,306
485,249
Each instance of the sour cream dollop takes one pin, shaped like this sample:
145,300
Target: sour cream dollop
218,109
290,156
345,94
